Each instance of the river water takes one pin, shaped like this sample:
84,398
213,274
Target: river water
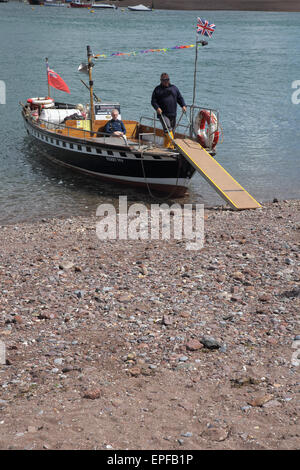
247,72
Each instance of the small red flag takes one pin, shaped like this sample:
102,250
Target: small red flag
56,81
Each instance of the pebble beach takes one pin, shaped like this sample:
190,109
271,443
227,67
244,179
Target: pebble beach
146,345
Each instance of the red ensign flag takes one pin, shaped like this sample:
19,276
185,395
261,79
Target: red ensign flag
56,81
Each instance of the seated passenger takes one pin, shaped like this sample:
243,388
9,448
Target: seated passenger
115,126
80,107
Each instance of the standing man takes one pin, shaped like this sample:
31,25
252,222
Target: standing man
164,100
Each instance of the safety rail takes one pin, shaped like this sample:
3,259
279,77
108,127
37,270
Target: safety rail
188,129
211,111
153,121
141,135
83,133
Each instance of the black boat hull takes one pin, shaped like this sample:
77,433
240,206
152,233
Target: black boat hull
115,163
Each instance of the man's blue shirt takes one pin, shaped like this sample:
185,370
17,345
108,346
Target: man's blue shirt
167,98
114,126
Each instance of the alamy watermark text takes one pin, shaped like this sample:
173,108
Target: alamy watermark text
296,93
160,222
2,92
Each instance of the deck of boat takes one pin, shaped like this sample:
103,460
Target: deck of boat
138,136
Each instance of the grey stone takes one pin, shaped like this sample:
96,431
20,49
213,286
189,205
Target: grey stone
183,358
66,265
2,353
210,342
58,361
246,408
79,293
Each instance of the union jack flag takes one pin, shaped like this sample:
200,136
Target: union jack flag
204,28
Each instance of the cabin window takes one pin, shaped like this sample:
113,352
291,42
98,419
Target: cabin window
109,152
51,141
64,144
99,151
88,149
71,146
57,142
79,147
123,154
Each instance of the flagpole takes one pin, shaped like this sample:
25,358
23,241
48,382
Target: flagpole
195,72
203,43
47,67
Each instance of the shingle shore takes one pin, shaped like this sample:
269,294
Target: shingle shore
142,345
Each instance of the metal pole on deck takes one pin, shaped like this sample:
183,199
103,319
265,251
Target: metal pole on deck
90,65
203,43
195,73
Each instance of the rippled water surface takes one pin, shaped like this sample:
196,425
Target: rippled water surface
246,72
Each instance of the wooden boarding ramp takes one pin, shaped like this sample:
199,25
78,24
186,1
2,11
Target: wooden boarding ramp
229,189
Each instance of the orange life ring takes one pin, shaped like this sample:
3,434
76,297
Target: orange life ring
205,138
40,101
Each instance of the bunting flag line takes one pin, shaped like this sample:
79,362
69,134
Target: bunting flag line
145,51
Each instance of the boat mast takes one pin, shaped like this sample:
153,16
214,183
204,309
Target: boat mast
90,65
47,69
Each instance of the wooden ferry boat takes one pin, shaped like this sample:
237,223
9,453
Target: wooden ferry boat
77,140
147,157
138,161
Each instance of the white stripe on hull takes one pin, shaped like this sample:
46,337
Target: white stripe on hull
58,142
